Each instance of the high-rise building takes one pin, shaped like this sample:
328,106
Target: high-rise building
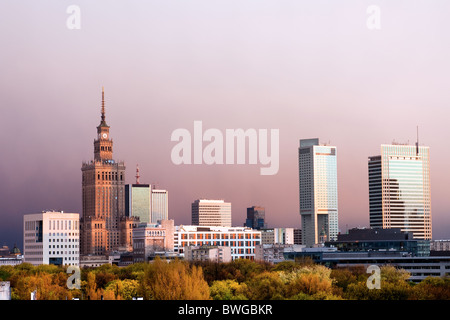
104,225
256,218
318,191
149,205
160,205
51,237
211,213
399,189
138,202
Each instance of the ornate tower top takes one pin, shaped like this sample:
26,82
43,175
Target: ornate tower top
103,143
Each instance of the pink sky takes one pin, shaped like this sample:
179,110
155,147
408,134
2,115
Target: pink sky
308,68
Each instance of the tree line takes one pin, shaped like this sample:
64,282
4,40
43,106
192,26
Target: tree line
237,280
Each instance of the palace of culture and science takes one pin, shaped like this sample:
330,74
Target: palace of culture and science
104,226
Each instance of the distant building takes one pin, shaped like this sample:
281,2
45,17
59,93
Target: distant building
241,240
160,205
150,240
318,190
93,261
218,254
393,240
103,198
148,204
298,236
399,189
440,245
211,213
277,236
51,238
138,201
270,253
256,218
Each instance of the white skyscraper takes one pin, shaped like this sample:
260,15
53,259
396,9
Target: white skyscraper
318,191
211,213
51,237
399,189
160,205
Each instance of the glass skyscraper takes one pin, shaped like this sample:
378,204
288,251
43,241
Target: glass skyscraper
399,189
318,191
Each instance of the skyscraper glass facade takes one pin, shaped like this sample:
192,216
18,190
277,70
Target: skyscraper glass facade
399,189
318,192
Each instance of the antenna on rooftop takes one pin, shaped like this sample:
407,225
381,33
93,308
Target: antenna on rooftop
137,174
417,142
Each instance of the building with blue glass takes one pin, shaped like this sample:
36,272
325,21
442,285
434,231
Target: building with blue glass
399,189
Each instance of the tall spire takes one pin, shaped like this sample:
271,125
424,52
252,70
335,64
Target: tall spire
103,104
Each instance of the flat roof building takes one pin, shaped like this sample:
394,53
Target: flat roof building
51,237
211,213
241,240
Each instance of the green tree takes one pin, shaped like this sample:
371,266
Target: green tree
228,290
265,286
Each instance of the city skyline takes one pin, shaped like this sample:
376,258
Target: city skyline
305,69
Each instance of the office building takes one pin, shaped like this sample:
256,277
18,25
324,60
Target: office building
51,237
241,240
399,189
380,240
138,202
152,239
318,191
103,195
256,218
298,236
160,205
148,204
217,254
277,236
211,213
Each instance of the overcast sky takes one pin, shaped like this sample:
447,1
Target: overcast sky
308,68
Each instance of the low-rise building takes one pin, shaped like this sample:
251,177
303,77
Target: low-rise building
218,254
241,240
51,237
150,240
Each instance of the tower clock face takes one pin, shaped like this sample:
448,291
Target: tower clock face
105,136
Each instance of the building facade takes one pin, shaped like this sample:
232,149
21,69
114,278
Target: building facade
399,189
256,218
103,198
160,205
51,238
241,240
150,240
217,254
318,191
138,202
211,213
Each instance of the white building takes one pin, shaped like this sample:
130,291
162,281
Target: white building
160,205
211,213
241,240
318,192
219,254
51,237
